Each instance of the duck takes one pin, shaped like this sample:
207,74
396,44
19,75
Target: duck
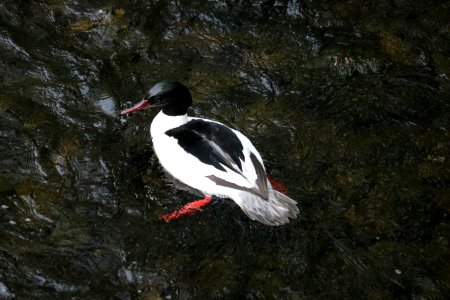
210,158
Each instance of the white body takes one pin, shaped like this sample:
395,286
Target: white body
191,171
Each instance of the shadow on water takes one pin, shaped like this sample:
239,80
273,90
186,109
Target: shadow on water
347,102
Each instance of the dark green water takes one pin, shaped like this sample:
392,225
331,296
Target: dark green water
347,101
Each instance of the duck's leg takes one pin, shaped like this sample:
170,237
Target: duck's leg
277,185
189,209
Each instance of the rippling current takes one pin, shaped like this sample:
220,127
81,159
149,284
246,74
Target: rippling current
347,101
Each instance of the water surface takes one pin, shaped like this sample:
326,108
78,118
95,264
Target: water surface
347,102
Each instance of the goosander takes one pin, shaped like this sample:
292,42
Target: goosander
211,158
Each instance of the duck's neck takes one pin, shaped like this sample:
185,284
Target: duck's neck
162,122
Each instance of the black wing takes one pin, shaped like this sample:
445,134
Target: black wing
212,143
261,181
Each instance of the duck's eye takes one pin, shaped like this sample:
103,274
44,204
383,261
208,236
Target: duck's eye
154,99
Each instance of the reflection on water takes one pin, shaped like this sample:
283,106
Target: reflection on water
347,102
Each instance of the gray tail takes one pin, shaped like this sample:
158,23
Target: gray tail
275,211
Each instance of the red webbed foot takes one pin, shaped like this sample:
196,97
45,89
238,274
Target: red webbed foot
189,209
277,185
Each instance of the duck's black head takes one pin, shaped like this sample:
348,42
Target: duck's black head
172,96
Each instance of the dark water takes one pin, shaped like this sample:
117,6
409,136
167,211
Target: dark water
348,102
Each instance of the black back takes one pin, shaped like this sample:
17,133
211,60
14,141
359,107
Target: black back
213,144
